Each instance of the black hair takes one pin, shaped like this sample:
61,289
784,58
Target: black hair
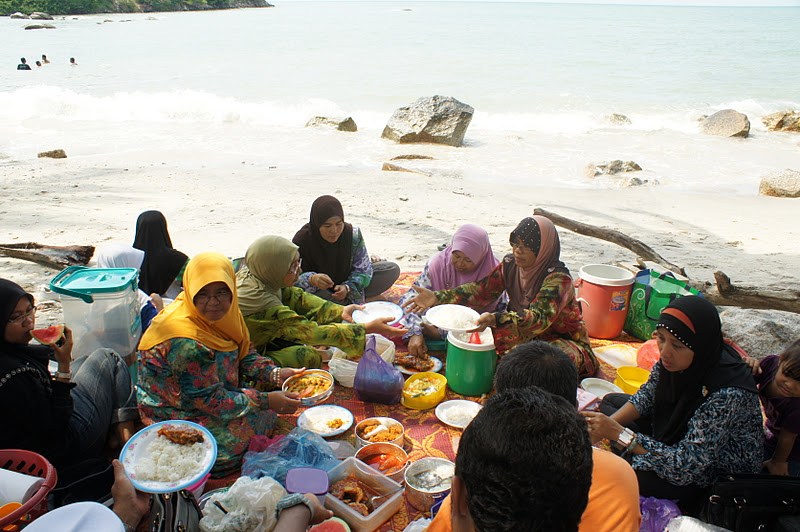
526,463
538,363
22,60
790,360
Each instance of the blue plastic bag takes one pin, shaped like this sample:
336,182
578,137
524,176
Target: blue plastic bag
657,513
376,380
299,448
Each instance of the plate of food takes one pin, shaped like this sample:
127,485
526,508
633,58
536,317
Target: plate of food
458,412
599,387
378,309
169,456
410,365
452,317
326,420
312,386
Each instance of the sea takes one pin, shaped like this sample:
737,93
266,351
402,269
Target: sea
225,87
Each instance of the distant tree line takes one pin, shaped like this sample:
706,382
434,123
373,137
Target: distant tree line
80,7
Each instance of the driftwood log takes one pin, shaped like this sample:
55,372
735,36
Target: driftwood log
723,293
58,257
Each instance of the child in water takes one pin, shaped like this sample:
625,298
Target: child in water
778,381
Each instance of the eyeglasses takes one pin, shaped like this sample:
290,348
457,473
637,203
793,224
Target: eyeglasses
519,246
222,296
296,268
22,317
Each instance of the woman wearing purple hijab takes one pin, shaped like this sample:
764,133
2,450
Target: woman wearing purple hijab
468,259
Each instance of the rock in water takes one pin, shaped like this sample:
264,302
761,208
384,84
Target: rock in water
726,123
38,15
760,332
40,27
54,154
437,119
782,121
618,119
611,168
19,15
781,184
342,124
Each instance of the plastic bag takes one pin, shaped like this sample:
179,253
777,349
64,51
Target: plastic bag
647,355
250,506
299,448
376,380
657,513
652,292
690,524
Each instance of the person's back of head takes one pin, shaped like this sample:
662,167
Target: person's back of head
538,363
22,60
523,463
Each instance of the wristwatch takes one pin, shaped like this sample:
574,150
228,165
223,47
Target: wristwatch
627,440
293,499
60,375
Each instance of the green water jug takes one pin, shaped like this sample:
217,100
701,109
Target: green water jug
470,367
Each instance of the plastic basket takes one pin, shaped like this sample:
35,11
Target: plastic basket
28,463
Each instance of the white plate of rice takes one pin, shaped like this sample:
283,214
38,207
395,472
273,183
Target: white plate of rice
458,412
453,317
156,465
326,420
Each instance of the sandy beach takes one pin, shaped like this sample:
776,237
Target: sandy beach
224,206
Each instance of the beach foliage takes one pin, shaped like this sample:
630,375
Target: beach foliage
80,7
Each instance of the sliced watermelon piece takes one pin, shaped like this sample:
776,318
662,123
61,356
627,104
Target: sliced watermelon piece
48,335
334,524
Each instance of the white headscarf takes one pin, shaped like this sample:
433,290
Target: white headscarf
123,256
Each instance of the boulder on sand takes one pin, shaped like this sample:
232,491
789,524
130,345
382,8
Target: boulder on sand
38,15
781,184
726,123
437,119
53,154
782,121
760,332
342,124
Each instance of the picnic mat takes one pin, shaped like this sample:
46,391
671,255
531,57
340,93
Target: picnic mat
425,434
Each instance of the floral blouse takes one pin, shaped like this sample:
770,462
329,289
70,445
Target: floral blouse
360,272
305,319
724,436
183,379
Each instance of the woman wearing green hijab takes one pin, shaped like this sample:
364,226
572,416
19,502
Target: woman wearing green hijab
284,321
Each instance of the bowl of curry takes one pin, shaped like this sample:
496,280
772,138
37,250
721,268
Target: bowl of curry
312,386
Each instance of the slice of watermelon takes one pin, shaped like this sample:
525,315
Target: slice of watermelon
334,524
48,335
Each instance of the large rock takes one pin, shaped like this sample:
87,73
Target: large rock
726,123
342,124
760,332
38,15
782,121
611,168
19,15
40,27
438,119
53,154
781,184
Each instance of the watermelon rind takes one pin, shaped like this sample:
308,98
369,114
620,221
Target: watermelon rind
334,524
48,335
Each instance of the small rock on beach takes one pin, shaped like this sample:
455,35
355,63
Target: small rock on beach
781,184
782,121
341,124
726,123
53,154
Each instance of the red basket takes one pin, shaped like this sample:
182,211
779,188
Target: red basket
28,463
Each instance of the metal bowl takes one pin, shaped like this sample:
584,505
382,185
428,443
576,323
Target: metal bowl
386,448
314,399
423,498
399,441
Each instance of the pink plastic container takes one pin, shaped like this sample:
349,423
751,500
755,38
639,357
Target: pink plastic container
199,486
604,292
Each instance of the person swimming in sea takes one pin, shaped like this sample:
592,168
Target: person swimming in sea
45,60
72,61
23,64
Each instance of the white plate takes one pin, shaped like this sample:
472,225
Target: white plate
437,316
318,416
437,365
378,309
138,446
599,387
445,411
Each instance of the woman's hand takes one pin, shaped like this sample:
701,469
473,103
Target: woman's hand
63,353
285,373
417,346
130,505
283,402
754,365
381,326
320,280
777,468
339,292
157,301
347,312
487,319
601,426
424,300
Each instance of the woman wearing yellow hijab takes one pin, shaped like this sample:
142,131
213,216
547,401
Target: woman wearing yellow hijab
195,363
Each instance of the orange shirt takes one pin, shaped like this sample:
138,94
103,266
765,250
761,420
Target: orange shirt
613,498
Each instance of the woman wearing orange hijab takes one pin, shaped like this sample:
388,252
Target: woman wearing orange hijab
196,363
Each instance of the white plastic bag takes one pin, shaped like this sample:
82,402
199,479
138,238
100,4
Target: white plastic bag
250,505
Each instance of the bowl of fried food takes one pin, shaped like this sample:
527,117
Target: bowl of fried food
312,386
380,430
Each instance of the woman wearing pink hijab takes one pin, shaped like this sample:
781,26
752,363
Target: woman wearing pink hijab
468,259
541,296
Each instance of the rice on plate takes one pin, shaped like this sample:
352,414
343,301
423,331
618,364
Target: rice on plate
169,462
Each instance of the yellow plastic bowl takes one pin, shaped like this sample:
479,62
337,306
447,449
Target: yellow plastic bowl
631,378
422,400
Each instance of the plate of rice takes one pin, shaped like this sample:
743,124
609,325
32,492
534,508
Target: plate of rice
326,420
169,456
452,317
457,413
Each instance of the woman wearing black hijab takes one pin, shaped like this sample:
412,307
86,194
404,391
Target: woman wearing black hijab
64,417
703,406
336,265
162,263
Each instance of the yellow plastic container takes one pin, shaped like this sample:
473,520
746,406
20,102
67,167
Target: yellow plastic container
631,378
421,396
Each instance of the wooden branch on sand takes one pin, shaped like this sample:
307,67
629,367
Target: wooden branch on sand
58,257
621,239
751,297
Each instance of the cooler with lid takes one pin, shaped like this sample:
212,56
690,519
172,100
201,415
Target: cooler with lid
101,307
